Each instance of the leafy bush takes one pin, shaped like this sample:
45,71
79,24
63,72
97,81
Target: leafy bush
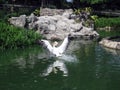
11,37
81,10
37,12
94,17
103,22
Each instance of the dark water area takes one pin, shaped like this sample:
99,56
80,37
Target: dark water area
84,66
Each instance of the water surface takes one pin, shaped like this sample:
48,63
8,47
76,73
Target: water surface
84,66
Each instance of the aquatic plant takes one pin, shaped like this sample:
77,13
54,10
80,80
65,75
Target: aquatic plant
12,37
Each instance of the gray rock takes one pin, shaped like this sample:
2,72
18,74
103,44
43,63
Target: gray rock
32,18
56,26
31,21
51,12
61,25
18,21
46,24
67,13
110,44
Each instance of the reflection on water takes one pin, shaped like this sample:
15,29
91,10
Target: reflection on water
59,64
113,51
84,66
54,67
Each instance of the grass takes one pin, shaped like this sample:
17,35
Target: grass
13,37
103,22
110,22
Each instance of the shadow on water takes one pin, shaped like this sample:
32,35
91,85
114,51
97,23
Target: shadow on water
85,66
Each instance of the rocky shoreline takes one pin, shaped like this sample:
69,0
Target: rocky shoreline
111,43
55,26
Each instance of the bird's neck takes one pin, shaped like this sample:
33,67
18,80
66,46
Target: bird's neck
54,46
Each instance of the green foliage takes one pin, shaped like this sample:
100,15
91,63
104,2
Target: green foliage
94,1
85,10
85,16
77,11
7,16
103,22
37,12
88,9
94,18
11,37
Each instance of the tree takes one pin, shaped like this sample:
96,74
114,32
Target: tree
94,1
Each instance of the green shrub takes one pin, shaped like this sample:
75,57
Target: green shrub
37,12
85,10
103,22
11,37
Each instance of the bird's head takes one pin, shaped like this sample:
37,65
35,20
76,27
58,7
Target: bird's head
55,43
41,42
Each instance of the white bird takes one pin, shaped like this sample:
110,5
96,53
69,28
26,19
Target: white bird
57,51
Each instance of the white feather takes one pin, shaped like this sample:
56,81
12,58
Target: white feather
57,51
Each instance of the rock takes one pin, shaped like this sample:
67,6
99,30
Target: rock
31,21
52,27
118,46
18,21
51,12
107,42
61,25
56,26
31,25
46,23
67,13
76,27
32,18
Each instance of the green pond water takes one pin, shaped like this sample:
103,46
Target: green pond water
85,65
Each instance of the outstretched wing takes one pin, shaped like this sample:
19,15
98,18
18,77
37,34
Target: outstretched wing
64,45
48,45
